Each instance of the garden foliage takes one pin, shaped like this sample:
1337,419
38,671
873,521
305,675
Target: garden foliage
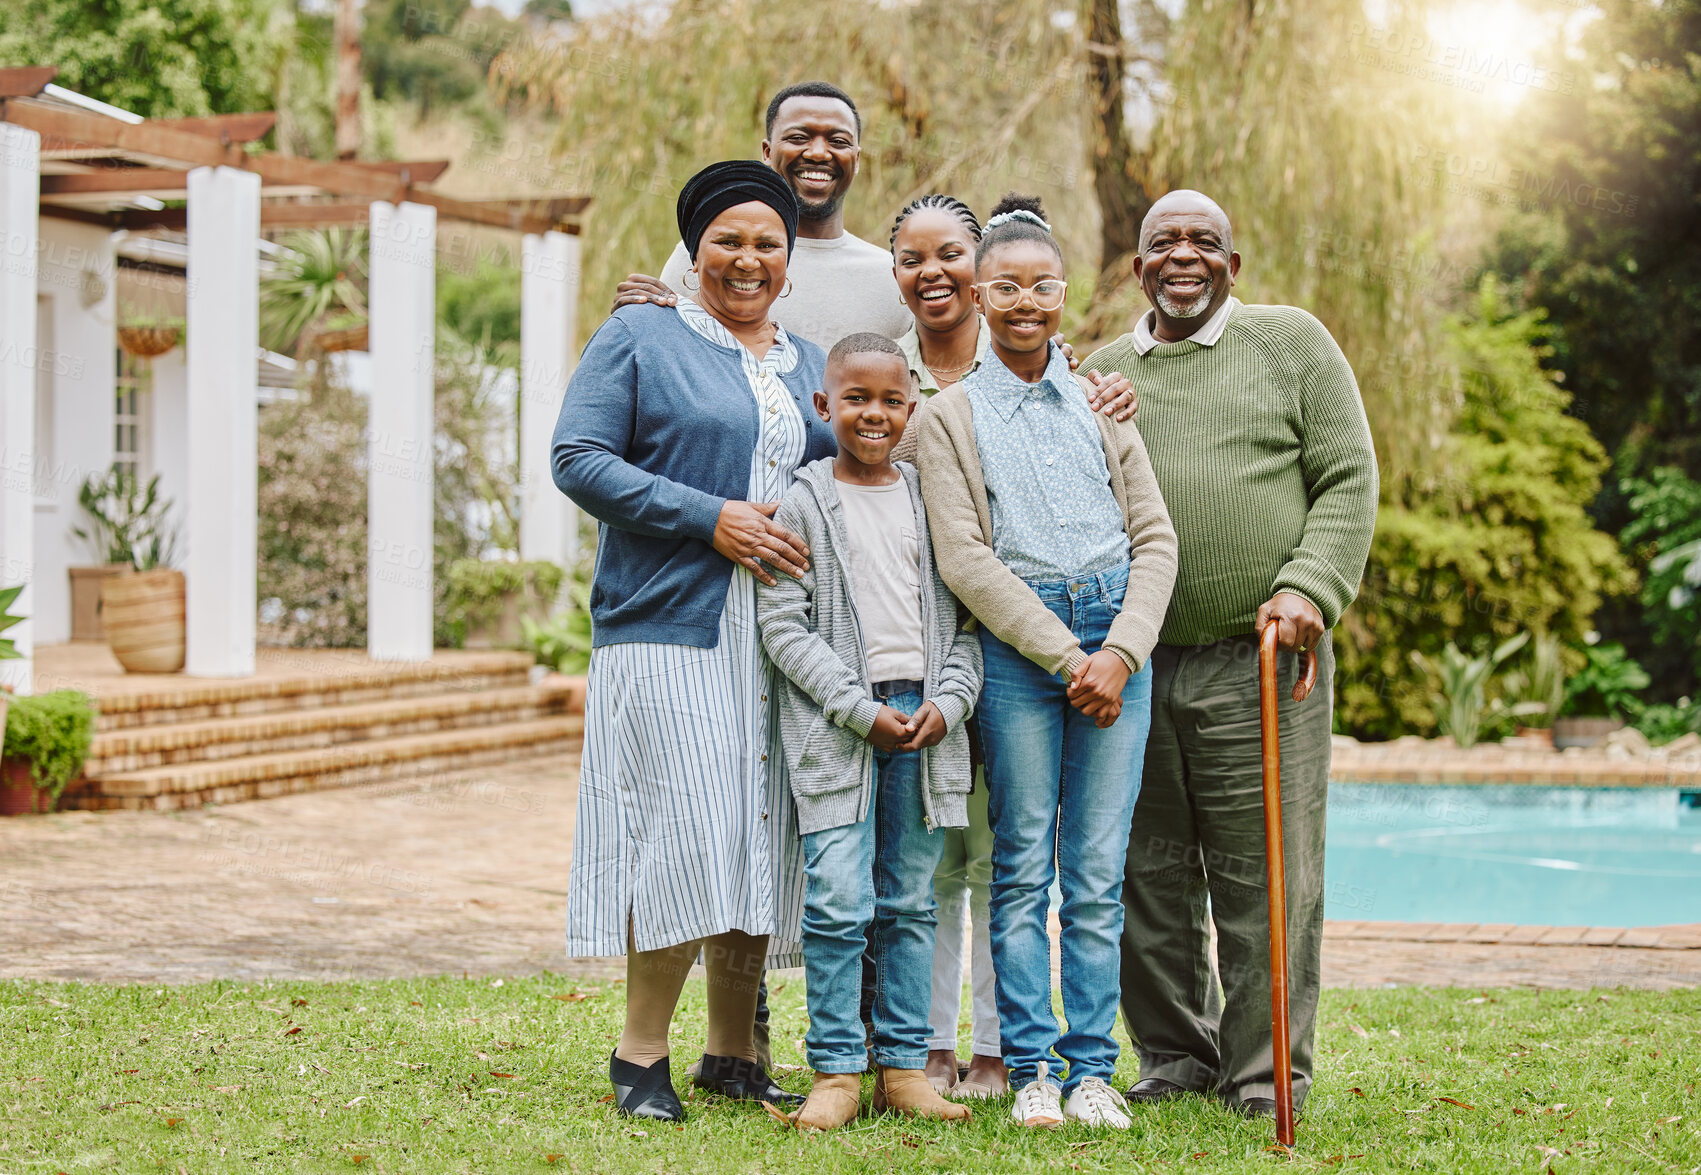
1497,542
52,732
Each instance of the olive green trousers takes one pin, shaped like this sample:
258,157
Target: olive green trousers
1196,853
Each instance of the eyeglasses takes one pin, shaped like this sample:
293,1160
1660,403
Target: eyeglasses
1047,295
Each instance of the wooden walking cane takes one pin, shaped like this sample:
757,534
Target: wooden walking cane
1280,1049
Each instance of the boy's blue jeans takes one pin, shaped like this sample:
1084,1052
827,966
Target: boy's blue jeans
1061,798
871,884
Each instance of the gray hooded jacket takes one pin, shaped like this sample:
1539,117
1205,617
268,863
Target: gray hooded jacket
826,706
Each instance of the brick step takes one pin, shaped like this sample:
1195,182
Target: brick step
138,748
160,701
189,785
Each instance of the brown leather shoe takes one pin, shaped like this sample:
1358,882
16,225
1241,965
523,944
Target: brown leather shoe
908,1091
834,1099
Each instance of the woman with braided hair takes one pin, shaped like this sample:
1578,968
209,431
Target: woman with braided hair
933,259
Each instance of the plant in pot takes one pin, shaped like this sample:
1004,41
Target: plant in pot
490,600
47,741
1462,707
1537,689
1599,699
147,335
141,607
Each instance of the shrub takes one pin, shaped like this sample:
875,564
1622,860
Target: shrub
1610,684
1664,537
312,573
52,732
478,590
1496,543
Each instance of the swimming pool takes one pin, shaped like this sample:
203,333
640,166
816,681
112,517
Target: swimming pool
1561,856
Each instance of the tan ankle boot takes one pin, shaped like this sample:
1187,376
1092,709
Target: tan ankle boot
908,1091
833,1100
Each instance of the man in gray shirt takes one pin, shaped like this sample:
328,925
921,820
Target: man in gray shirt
840,283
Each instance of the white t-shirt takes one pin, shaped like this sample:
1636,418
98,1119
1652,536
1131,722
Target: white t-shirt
838,287
885,571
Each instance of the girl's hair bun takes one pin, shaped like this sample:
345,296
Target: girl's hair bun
1016,202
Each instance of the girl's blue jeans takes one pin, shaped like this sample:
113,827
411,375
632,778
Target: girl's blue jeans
1060,798
871,883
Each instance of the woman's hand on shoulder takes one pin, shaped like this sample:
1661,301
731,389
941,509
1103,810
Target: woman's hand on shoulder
747,534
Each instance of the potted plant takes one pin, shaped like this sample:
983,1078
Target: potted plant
47,741
1538,690
148,336
142,607
1463,706
111,502
1598,699
488,600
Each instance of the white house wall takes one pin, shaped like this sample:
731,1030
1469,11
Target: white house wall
76,281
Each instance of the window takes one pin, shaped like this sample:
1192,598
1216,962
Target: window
135,376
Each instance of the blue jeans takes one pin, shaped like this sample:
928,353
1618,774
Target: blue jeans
1061,797
871,884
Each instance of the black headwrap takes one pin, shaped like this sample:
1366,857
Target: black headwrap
720,186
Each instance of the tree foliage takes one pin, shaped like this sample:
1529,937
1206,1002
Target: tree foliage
159,58
962,98
1611,247
1500,543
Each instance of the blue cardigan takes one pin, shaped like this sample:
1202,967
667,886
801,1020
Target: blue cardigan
656,433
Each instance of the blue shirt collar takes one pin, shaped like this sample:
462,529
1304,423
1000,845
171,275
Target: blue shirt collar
1005,391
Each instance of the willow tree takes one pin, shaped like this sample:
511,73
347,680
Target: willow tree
1321,147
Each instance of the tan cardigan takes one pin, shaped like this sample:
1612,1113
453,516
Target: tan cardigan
961,521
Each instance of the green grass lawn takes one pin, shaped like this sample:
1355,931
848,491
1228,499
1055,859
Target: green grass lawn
488,1075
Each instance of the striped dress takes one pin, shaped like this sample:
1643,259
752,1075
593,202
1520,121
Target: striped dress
685,821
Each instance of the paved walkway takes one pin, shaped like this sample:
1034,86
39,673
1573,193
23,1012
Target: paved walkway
466,873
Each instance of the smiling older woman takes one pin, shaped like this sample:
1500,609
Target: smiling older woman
680,431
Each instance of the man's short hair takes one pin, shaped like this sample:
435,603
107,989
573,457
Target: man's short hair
864,342
811,90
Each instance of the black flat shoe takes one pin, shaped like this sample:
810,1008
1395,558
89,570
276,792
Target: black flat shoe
735,1077
645,1093
1154,1089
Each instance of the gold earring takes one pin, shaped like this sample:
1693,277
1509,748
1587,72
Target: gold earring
690,289
786,293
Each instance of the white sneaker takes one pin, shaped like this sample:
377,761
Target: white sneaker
1096,1104
1039,1103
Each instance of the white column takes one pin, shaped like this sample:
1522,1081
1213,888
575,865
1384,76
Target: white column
220,502
20,191
403,342
549,300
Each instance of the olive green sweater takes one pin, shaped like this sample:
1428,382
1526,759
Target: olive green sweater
1264,456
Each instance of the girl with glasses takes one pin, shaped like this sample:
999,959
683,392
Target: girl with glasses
1048,525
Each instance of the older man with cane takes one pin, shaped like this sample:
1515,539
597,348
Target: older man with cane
1260,444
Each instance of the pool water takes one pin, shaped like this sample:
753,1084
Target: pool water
1561,856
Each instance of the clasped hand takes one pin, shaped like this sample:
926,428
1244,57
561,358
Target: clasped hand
897,732
1096,687
747,534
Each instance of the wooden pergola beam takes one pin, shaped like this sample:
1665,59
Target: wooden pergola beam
340,179
163,181
522,216
229,128
26,81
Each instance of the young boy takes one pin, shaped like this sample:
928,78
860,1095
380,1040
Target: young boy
877,681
